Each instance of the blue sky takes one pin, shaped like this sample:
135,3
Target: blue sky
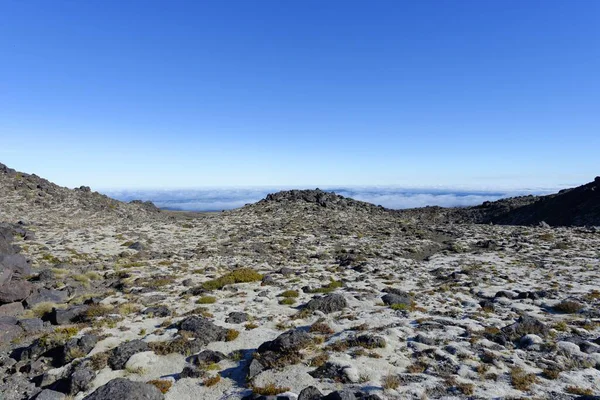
148,94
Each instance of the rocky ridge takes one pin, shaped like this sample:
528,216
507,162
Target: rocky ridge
304,295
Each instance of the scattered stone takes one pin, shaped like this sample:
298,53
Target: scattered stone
32,325
329,370
207,357
310,393
124,389
46,295
15,290
121,354
157,311
327,304
67,316
236,317
48,394
11,309
203,329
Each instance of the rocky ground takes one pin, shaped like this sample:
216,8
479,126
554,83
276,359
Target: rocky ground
304,295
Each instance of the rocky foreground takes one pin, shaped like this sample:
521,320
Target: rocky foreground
303,295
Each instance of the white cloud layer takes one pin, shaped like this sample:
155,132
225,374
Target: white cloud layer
397,198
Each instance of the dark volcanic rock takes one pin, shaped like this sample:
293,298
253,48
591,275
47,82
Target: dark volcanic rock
236,317
340,395
192,371
207,357
393,298
282,351
203,329
17,387
46,295
121,354
9,332
11,309
81,379
124,389
32,325
289,341
310,393
158,311
79,347
525,325
327,304
331,371
48,394
17,263
15,290
70,315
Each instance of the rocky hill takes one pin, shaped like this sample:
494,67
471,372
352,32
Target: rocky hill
29,195
578,206
305,295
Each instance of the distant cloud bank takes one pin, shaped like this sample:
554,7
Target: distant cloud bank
397,198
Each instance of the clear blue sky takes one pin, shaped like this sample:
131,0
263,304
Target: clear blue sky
129,94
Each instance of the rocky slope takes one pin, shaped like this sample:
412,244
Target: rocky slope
578,206
305,294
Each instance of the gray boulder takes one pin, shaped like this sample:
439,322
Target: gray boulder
17,387
340,395
121,354
203,329
11,309
81,379
236,317
79,347
310,393
48,394
46,295
15,290
395,298
32,325
327,304
17,263
9,332
207,357
71,314
124,389
157,311
292,340
525,325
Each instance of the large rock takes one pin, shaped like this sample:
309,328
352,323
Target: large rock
207,357
17,263
48,394
81,379
17,387
277,353
310,393
6,275
124,351
332,371
79,347
236,317
395,298
327,304
32,325
11,309
9,332
68,316
525,325
124,389
15,290
46,295
287,342
203,329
